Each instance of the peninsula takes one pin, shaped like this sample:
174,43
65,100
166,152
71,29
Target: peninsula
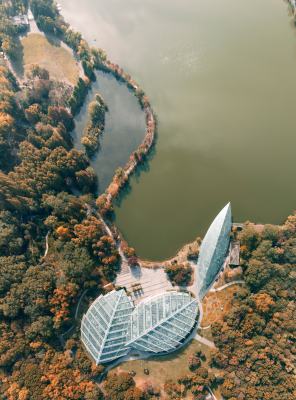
82,316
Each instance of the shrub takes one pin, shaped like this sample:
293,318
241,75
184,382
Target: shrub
179,274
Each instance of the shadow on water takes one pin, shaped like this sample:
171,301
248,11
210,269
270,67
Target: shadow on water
142,168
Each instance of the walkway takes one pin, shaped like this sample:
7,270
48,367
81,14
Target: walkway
194,287
152,281
79,302
205,328
33,26
212,394
125,269
205,341
227,285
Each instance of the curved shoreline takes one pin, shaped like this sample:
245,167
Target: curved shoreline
137,157
122,175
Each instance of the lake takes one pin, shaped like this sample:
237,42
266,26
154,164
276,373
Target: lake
220,75
124,127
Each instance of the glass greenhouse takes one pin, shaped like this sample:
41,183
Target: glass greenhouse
213,250
161,323
112,326
104,326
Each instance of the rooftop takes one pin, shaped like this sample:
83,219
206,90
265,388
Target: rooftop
213,250
234,253
161,323
112,325
104,326
21,20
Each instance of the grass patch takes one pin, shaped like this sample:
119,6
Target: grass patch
217,304
166,367
172,366
58,61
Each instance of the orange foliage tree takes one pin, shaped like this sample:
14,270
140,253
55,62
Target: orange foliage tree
63,297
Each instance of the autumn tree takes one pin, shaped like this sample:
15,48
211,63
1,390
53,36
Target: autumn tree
255,350
173,390
179,274
95,127
117,385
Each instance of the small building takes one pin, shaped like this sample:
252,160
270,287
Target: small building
21,21
234,253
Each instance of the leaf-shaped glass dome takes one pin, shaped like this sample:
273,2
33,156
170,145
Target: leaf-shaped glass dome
104,326
161,323
113,326
213,250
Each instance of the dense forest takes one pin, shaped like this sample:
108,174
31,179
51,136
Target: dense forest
39,174
46,193
256,341
256,351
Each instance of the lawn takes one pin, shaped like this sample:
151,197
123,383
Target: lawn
163,368
56,59
217,304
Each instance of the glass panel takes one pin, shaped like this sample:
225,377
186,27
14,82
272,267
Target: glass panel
213,250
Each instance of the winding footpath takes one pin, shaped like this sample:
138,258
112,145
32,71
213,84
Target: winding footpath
79,302
124,261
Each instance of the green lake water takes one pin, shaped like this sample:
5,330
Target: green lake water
124,127
220,75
